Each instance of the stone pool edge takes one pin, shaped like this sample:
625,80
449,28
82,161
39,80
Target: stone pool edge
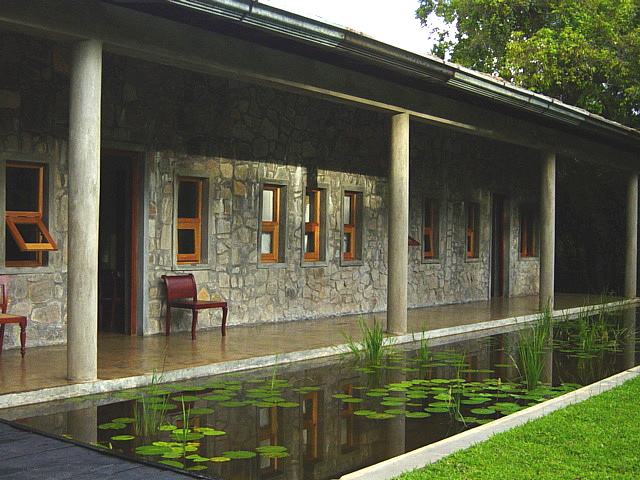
432,453
18,399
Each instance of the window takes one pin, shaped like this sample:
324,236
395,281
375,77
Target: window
313,225
430,229
271,231
26,236
352,230
268,437
472,230
347,430
310,426
190,191
528,232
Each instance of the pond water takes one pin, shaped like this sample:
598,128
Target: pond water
321,419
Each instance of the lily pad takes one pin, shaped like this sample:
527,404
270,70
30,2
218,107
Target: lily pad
123,420
217,398
220,459
364,413
122,438
232,404
239,454
417,414
112,426
380,416
201,411
482,411
152,450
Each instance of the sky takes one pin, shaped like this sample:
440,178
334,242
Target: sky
390,22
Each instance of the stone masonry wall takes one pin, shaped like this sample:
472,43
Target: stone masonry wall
237,135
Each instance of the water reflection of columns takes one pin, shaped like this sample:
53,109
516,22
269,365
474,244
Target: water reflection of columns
82,424
629,349
397,426
546,376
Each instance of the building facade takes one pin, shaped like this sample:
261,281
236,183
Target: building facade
294,180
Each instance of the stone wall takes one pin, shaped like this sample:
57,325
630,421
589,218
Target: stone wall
34,117
237,135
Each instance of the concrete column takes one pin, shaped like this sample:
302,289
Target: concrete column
84,199
631,260
398,225
547,229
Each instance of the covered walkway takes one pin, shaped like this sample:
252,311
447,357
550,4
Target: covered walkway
127,362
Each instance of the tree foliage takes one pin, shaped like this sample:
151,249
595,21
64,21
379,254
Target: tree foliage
583,52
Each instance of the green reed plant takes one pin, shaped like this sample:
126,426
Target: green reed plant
531,347
371,346
150,415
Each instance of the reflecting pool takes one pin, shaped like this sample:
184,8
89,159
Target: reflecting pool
323,418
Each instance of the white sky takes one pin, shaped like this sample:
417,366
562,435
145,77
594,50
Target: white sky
391,22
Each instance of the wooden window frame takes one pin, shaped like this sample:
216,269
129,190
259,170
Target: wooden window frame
528,233
430,229
310,424
270,433
350,228
26,217
347,415
472,230
314,226
193,224
272,227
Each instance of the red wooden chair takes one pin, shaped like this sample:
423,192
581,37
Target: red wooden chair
182,293
5,318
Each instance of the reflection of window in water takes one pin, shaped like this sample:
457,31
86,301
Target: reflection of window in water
268,436
310,426
346,421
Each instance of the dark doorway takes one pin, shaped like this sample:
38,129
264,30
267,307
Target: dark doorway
118,241
497,245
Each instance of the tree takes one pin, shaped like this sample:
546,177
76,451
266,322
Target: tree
582,52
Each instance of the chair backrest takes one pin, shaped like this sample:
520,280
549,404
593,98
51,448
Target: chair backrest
4,292
180,286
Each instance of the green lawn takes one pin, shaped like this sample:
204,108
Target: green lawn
593,440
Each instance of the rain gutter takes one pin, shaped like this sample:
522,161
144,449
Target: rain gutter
362,48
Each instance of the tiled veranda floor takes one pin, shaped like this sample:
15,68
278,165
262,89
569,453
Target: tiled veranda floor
124,356
121,356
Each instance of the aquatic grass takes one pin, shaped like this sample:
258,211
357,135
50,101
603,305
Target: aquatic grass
371,346
531,347
150,411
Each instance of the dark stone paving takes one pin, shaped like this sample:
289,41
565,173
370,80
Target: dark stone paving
29,455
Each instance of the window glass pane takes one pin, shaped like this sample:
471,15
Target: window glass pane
309,242
188,198
346,209
13,253
428,214
310,214
186,241
346,245
268,199
23,189
267,243
427,243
